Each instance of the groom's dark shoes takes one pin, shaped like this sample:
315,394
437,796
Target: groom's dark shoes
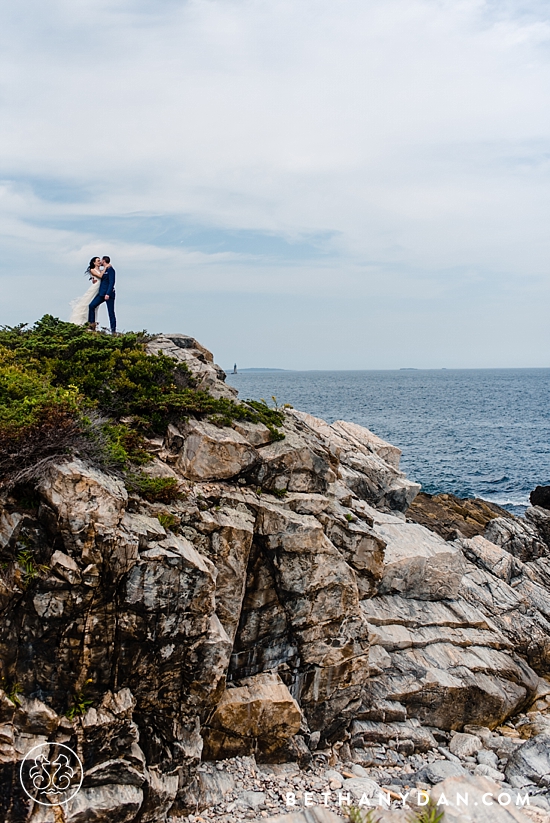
106,294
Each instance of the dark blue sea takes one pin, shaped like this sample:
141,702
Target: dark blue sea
475,433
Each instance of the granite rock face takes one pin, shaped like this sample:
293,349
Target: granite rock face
289,604
198,360
212,453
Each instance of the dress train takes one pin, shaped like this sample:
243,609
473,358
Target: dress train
79,307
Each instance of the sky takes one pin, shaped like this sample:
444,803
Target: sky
361,184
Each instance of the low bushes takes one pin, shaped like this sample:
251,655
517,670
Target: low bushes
38,421
65,391
154,489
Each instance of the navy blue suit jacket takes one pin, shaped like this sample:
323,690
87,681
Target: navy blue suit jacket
107,283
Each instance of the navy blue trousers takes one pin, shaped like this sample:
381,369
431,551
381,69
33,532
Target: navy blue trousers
97,301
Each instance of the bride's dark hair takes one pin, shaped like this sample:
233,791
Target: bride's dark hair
91,265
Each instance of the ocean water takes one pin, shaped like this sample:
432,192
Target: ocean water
475,433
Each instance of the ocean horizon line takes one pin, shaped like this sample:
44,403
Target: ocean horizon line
229,369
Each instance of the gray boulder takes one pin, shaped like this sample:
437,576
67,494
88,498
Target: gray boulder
408,736
519,609
465,745
419,563
488,771
293,465
517,537
114,802
530,763
251,800
440,770
359,786
487,758
211,452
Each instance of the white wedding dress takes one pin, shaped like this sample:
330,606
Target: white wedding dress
79,307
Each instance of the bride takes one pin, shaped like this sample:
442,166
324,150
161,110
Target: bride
79,307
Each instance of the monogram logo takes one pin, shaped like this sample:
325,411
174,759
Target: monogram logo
51,774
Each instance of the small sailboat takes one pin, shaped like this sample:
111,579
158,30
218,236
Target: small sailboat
235,369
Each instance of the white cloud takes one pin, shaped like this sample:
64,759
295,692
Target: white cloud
415,134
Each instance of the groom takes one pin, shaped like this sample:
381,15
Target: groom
105,294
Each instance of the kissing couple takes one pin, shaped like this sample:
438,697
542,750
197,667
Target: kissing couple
102,290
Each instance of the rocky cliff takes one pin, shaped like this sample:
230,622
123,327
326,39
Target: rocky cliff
283,603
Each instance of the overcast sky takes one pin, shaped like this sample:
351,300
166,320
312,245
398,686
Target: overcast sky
296,183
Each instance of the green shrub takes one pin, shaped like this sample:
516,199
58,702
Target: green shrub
125,446
80,702
26,450
12,690
154,489
25,395
64,391
272,418
168,521
119,377
113,373
31,569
